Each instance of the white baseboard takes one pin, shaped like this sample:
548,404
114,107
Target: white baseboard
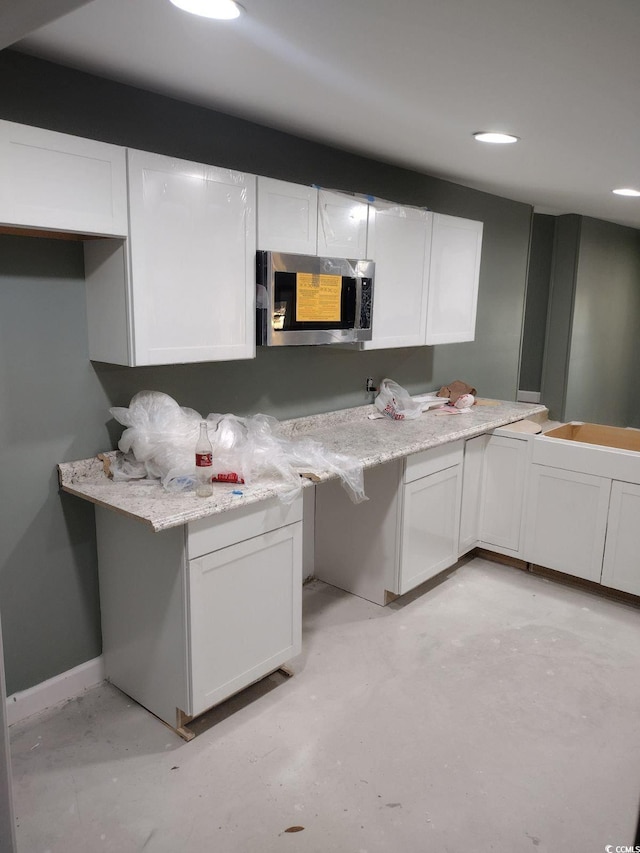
55,690
528,397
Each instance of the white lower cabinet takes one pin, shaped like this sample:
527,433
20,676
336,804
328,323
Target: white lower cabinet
472,472
245,614
621,567
567,521
406,532
194,614
429,533
502,499
434,506
494,493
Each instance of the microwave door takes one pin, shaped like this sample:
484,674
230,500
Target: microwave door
308,300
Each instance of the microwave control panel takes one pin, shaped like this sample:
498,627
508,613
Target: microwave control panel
366,303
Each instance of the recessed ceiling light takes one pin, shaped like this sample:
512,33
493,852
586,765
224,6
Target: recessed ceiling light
222,10
496,138
627,191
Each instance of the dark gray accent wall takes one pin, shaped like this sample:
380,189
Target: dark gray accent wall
560,317
537,301
591,356
55,402
602,380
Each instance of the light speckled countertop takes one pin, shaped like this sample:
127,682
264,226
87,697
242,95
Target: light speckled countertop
349,431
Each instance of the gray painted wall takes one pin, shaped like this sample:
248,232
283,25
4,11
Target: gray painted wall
602,382
560,316
54,402
535,314
52,407
592,357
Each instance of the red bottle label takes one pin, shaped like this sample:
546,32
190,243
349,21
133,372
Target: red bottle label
204,460
232,477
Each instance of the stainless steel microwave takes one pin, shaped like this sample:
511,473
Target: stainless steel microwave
306,300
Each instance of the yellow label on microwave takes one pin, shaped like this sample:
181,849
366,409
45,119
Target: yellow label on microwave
318,297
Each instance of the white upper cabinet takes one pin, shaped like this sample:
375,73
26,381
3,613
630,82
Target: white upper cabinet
307,221
427,264
192,260
287,217
400,243
453,279
184,285
342,225
59,182
426,279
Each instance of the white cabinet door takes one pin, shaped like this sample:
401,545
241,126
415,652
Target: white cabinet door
503,491
471,493
59,182
430,524
567,521
400,243
453,279
245,604
192,272
287,217
621,567
342,226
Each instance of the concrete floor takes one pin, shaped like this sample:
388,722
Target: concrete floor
492,711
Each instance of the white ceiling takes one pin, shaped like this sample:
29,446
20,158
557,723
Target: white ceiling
405,82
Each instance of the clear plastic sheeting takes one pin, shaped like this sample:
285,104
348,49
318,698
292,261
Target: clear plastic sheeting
160,438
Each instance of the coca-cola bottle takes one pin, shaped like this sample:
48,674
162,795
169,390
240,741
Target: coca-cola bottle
204,463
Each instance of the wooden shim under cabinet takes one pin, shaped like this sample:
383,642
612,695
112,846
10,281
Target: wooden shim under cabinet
587,585
285,670
563,577
514,562
182,720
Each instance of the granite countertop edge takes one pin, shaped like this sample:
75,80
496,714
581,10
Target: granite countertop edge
350,431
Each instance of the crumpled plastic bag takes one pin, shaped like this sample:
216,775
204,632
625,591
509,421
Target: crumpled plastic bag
160,438
395,402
